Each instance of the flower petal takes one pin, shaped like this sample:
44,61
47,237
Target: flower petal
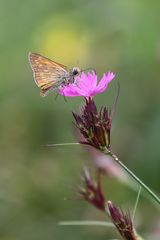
69,91
92,80
82,82
106,79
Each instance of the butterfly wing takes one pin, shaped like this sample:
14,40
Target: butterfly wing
48,75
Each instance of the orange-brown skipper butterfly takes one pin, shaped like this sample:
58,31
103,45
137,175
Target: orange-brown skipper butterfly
50,75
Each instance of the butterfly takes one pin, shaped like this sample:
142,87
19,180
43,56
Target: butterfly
50,75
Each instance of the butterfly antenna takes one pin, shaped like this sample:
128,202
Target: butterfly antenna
87,69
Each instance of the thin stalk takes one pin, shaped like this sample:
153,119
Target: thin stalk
60,144
142,184
84,223
136,203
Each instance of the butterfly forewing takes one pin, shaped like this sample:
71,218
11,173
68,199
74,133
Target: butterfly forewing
47,73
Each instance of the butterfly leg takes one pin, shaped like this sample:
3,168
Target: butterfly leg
65,99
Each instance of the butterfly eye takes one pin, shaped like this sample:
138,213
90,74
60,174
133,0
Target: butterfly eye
75,71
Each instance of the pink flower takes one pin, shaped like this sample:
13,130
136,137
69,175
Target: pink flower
86,85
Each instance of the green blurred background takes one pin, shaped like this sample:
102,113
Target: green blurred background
121,36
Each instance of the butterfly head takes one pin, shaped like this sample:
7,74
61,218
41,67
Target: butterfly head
76,71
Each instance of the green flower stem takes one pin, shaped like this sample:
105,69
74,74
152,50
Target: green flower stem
142,184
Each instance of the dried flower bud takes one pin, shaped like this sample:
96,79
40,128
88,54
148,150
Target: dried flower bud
95,127
123,222
92,191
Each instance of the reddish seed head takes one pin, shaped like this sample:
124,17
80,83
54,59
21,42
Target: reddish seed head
92,191
95,127
123,222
